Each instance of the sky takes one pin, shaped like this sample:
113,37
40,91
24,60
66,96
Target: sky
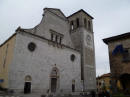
111,17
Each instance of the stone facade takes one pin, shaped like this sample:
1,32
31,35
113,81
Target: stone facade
119,66
39,64
53,56
83,39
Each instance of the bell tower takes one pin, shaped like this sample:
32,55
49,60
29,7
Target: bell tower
81,31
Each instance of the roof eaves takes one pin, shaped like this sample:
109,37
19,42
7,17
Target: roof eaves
8,39
114,38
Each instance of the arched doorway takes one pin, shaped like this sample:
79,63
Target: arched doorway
125,81
27,84
54,79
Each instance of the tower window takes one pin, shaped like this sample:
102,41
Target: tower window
60,40
85,22
52,36
89,25
77,21
126,55
72,25
56,38
72,57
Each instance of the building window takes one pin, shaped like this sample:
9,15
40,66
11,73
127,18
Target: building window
110,82
72,57
72,25
60,40
56,37
31,46
5,57
85,23
97,82
73,85
88,39
126,55
52,36
89,25
54,72
77,21
27,84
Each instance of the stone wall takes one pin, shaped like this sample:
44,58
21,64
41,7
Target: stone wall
117,65
51,21
39,64
83,40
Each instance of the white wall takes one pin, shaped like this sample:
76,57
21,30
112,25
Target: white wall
39,64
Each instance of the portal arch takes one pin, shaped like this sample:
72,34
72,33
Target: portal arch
54,78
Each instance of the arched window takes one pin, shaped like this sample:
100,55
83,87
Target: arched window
54,72
72,25
72,57
77,21
89,25
28,78
85,23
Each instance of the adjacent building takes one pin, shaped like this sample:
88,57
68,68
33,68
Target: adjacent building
56,56
103,82
119,56
6,55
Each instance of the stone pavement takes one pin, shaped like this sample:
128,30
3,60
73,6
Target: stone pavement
3,94
38,95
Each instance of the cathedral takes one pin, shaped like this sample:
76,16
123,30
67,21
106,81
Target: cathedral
56,56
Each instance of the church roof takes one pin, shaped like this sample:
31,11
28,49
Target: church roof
118,37
7,39
56,11
81,10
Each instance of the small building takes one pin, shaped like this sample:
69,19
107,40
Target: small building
119,56
103,82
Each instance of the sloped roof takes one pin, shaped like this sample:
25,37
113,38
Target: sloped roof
7,39
81,10
114,38
104,75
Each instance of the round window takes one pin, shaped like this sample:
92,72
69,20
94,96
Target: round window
31,46
72,57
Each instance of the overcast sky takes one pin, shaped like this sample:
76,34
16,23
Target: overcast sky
111,17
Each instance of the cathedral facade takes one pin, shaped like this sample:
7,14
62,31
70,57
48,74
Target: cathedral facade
56,56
